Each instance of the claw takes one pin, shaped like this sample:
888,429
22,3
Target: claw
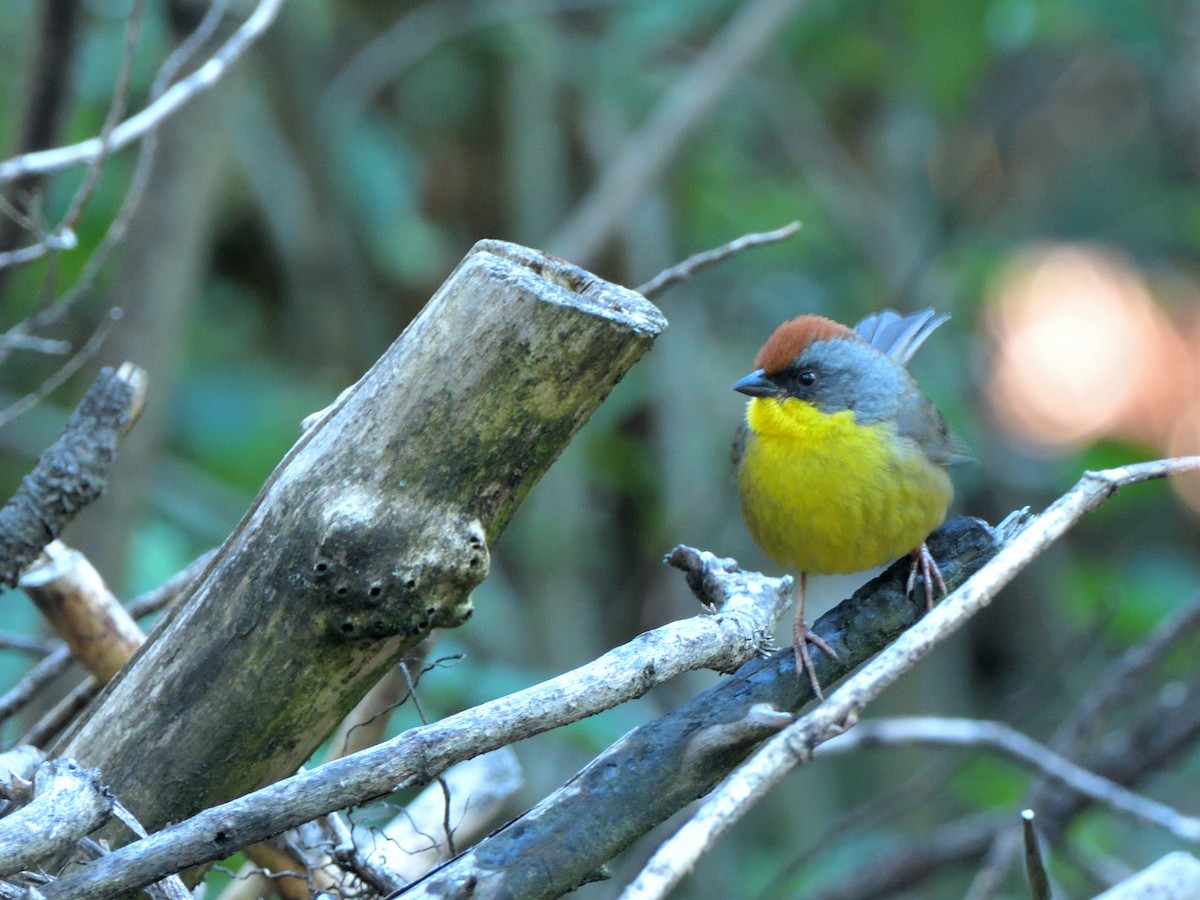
930,575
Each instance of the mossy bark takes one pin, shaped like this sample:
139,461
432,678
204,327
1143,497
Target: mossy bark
372,531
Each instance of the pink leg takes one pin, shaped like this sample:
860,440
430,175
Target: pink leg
802,637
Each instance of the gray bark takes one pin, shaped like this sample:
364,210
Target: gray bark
372,531
68,803
656,770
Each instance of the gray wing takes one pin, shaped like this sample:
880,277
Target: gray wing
896,335
738,450
921,421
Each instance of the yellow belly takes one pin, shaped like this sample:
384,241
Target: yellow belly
821,493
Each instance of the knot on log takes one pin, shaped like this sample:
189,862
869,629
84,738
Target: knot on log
375,573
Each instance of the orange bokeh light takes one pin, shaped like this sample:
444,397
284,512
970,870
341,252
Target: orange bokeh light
1083,351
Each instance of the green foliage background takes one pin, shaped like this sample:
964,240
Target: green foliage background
302,213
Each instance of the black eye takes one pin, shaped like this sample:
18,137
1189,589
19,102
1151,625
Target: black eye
807,379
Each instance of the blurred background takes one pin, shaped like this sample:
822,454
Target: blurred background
1031,167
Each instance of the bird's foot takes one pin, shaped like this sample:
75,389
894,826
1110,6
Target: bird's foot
922,561
802,636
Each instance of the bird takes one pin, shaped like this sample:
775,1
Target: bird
840,459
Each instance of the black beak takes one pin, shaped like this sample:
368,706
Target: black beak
757,384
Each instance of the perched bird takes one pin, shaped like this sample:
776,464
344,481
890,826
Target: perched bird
841,460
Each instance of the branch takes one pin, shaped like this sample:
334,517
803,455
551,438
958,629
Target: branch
49,88
666,764
417,756
415,841
1039,882
372,531
65,371
840,712
78,604
1175,875
172,100
1014,744
68,803
51,724
72,471
18,336
1121,678
37,678
690,266
681,110
171,589
1160,734
62,236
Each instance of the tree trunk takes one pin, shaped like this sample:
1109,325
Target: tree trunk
371,532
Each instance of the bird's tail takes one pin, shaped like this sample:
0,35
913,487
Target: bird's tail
896,335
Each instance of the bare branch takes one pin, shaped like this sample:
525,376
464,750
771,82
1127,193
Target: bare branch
677,114
137,183
839,712
1012,743
167,592
34,344
51,725
1175,875
1161,733
138,125
690,266
681,756
72,471
418,755
68,803
35,680
75,600
409,846
33,646
65,371
1039,882
41,120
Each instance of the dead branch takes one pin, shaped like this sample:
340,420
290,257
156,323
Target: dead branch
172,100
71,472
417,756
840,712
68,803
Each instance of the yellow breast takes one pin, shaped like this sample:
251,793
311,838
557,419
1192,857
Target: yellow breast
822,493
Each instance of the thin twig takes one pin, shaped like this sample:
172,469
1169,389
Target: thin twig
447,828
51,725
690,266
779,755
35,681
138,182
1123,677
676,115
31,645
171,887
156,113
166,593
1120,679
62,236
65,371
112,118
1018,746
1039,882
416,35
33,344
415,756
